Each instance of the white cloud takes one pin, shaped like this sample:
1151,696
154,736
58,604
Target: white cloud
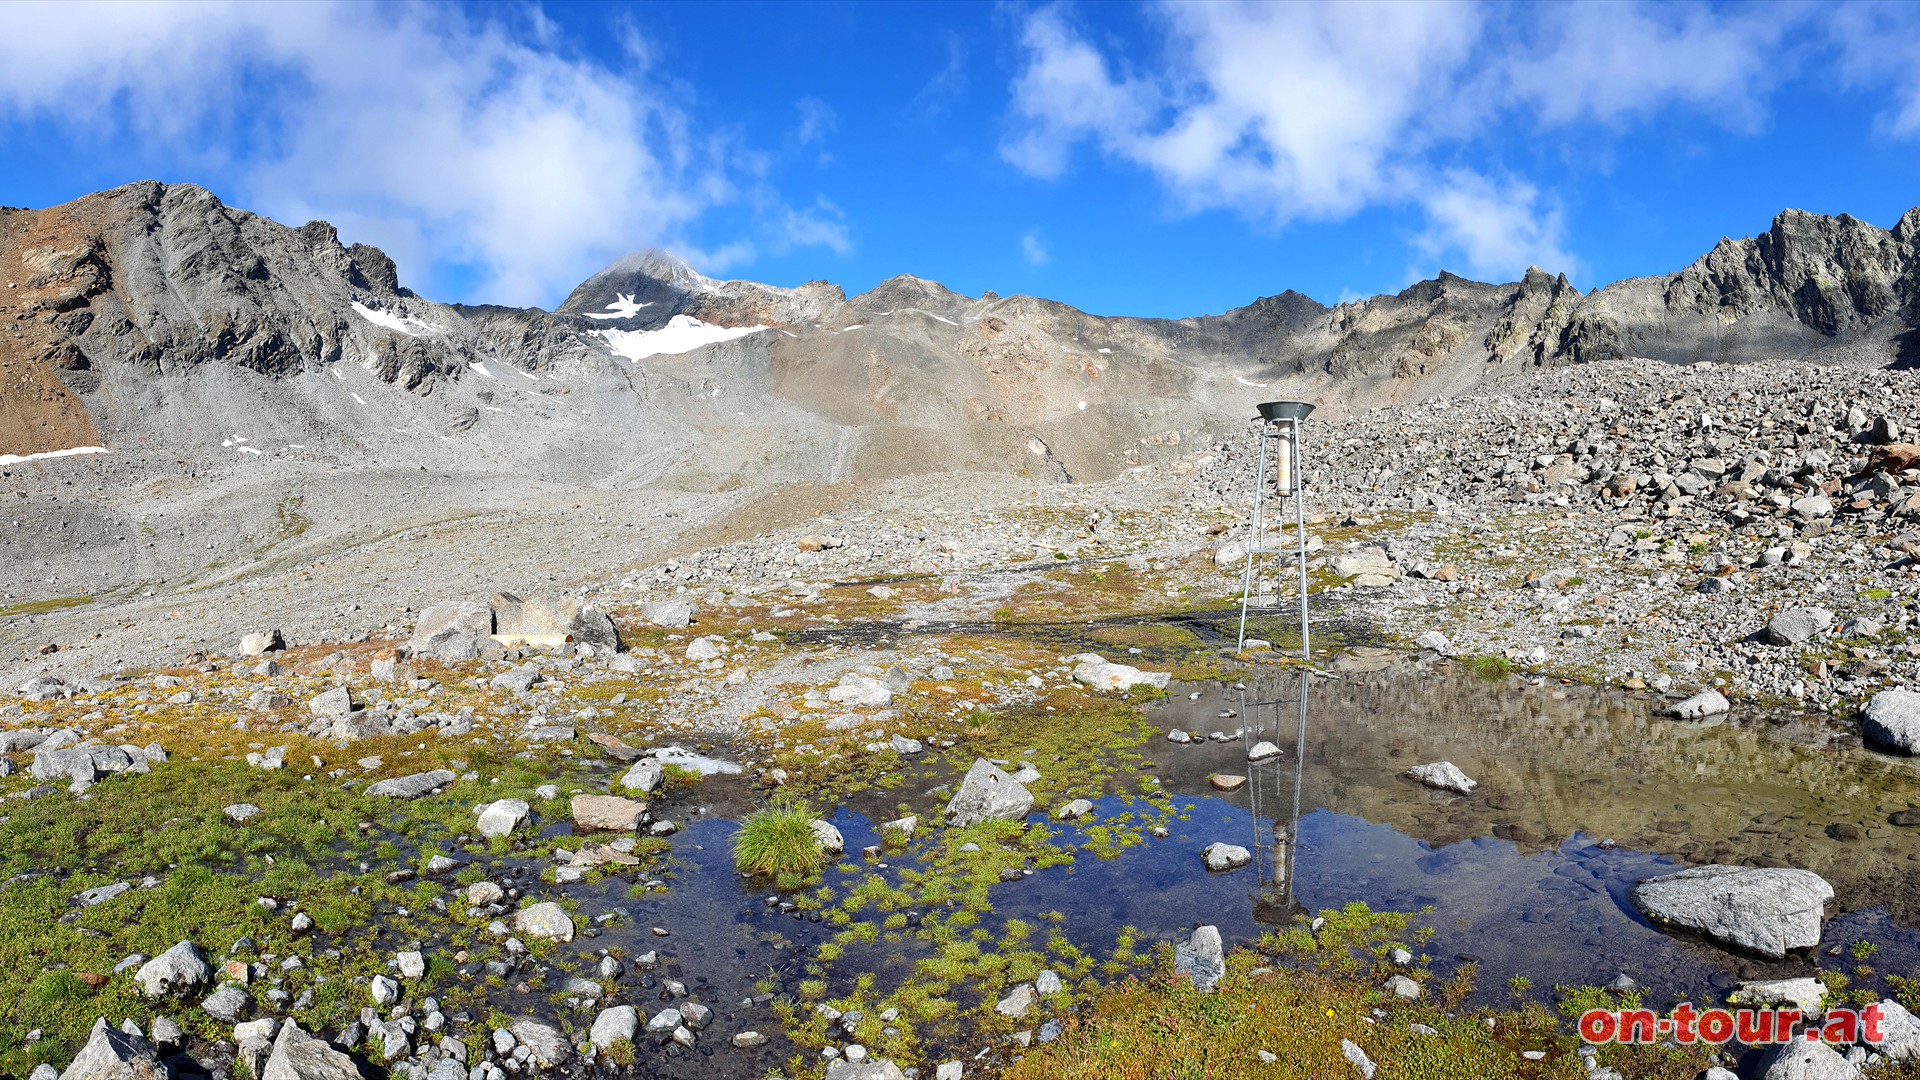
946,86
466,142
1033,250
1495,226
817,120
1879,44
1617,61
820,225
1067,94
1281,112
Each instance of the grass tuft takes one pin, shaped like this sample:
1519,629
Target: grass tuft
778,842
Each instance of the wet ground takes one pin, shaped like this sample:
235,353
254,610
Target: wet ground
1583,793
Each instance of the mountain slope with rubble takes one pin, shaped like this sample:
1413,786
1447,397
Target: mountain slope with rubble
270,405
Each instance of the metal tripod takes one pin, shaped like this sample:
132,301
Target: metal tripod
1275,860
1280,424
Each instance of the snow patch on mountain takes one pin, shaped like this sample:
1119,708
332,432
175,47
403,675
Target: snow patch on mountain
15,459
399,324
623,307
683,333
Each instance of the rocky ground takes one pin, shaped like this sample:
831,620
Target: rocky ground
1627,524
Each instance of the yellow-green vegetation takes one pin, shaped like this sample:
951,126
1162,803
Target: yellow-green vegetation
778,840
922,938
1489,667
1296,996
41,607
208,873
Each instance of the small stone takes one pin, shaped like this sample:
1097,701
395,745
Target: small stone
618,1024
1357,1058
1225,856
1201,957
336,702
384,990
644,777
1016,1004
229,1004
1708,702
1227,782
1443,775
1078,808
544,920
180,970
502,817
607,812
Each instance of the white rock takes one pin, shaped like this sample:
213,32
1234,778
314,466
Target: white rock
1444,775
1094,670
1226,856
546,920
502,817
1708,702
384,990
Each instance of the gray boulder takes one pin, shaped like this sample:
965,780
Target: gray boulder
229,1005
644,777
539,617
332,703
618,1024
19,739
451,631
412,787
1892,720
1367,566
1802,1060
861,692
178,971
1096,671
1202,957
672,614
988,794
1765,911
544,920
81,764
115,1055
1226,856
1900,1032
501,817
260,644
1708,702
1797,626
549,1048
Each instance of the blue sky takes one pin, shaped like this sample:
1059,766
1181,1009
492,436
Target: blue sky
1128,159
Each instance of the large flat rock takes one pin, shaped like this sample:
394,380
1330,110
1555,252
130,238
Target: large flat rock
1766,911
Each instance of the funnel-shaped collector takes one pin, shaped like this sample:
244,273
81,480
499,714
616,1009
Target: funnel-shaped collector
1284,410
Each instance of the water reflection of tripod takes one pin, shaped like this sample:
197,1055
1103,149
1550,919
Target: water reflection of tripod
1275,860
